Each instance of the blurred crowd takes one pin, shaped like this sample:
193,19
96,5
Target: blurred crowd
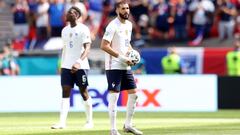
35,21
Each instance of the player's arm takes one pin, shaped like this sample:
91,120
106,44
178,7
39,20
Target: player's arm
84,55
106,46
86,51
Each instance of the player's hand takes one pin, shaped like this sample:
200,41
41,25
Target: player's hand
75,67
130,63
124,59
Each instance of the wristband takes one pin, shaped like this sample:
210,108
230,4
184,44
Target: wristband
122,58
79,61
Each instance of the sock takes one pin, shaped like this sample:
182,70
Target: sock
131,105
112,109
88,109
64,110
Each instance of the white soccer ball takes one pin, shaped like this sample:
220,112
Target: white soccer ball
134,56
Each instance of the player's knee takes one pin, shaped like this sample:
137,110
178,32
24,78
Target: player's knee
65,94
84,93
66,90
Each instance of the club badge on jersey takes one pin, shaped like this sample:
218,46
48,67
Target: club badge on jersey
126,32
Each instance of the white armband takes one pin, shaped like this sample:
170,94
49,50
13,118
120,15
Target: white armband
122,58
79,61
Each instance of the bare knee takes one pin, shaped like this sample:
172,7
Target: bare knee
84,93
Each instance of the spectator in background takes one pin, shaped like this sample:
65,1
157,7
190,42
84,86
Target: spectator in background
42,23
8,62
3,5
32,34
20,12
56,17
201,10
108,9
139,11
227,12
171,63
161,20
181,19
32,4
95,14
233,60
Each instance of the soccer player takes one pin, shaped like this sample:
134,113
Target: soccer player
116,43
74,66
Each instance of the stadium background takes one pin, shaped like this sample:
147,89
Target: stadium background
203,101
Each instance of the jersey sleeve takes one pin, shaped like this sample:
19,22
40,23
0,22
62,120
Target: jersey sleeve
86,36
109,33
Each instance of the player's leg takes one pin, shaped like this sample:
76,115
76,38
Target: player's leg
113,78
128,83
112,110
67,84
82,84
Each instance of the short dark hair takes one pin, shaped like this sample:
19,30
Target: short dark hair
117,5
78,10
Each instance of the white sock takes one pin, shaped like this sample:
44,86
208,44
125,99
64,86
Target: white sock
112,109
88,109
131,105
64,110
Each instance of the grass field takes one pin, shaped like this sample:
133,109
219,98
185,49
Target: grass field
224,122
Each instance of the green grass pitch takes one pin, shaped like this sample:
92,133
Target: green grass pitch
223,122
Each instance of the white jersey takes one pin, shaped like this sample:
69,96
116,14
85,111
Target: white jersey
119,35
73,40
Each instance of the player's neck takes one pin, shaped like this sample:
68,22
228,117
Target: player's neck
73,24
121,20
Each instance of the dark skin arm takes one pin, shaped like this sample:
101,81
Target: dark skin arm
77,65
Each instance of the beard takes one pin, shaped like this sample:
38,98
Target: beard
124,16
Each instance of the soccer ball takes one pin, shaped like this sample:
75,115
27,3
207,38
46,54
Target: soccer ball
134,56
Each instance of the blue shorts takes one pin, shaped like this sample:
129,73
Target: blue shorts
69,79
119,80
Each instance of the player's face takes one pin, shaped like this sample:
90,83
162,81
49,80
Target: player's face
72,15
123,11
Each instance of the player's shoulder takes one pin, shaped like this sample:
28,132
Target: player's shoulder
65,28
114,24
82,26
129,23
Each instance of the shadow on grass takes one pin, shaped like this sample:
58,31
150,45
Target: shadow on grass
152,131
